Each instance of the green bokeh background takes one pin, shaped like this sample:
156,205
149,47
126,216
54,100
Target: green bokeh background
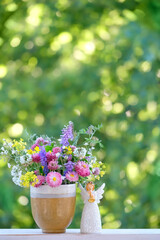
90,62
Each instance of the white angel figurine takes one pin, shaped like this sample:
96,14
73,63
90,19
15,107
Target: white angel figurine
91,219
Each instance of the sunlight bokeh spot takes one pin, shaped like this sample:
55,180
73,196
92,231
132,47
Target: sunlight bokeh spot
22,115
118,108
132,171
151,155
132,100
156,131
34,14
3,71
15,130
15,41
39,119
23,200
64,37
111,195
145,66
139,137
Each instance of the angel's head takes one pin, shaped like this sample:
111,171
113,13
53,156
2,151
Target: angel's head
90,186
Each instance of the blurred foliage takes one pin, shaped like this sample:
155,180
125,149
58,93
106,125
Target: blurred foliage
90,62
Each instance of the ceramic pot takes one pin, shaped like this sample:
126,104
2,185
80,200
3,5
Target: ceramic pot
53,208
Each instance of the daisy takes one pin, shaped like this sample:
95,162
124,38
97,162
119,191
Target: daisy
54,179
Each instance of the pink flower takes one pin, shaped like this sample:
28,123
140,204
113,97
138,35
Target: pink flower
72,176
73,147
82,169
53,165
36,157
96,171
41,180
54,179
51,156
39,141
34,145
56,150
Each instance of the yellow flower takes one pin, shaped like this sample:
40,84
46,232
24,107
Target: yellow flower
102,173
37,149
97,177
97,164
29,178
30,151
69,150
19,145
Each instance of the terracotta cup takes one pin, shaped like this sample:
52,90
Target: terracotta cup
53,208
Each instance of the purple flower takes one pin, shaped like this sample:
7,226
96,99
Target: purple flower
69,166
69,157
67,133
88,158
42,154
90,130
39,141
96,171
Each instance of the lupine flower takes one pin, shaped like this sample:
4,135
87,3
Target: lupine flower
82,169
41,180
54,179
42,154
53,165
72,176
67,133
36,157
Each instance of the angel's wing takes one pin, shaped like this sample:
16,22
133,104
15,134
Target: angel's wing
99,192
84,193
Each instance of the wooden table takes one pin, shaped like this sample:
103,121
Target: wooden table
74,234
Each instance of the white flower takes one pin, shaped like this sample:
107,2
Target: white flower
93,159
17,180
15,170
58,154
22,159
29,158
86,144
13,151
9,165
63,177
2,149
10,144
80,152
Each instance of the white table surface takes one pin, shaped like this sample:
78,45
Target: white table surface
107,234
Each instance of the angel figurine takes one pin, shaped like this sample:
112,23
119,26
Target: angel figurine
91,219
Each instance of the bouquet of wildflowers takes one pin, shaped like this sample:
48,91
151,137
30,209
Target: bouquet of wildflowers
54,162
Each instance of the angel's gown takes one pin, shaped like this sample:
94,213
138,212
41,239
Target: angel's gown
91,219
